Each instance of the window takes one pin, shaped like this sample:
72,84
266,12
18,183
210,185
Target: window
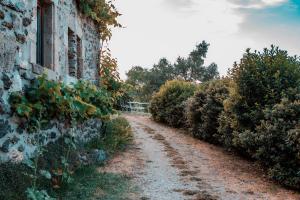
72,53
75,55
79,59
39,39
45,34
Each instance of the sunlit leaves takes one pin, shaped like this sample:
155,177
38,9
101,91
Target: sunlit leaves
104,13
46,100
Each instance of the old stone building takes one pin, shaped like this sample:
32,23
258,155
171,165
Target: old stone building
38,37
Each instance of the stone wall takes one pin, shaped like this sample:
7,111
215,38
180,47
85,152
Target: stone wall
18,64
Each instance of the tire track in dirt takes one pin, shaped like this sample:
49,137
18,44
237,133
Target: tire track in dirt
185,172
157,180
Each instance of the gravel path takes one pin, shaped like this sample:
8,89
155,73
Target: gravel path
169,165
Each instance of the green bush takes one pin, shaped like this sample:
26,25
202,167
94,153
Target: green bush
168,104
255,111
225,130
256,122
261,80
16,179
276,142
13,181
116,136
204,109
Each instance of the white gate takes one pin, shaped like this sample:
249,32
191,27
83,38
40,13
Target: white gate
136,107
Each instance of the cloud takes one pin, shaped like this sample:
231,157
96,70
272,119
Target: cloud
169,28
278,22
179,3
257,4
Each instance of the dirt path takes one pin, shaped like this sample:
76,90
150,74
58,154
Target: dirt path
169,165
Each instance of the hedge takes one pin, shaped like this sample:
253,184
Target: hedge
204,108
168,104
254,111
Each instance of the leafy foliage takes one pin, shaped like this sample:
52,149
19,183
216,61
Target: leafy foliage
276,142
13,182
43,99
136,76
109,75
117,135
204,109
91,184
168,104
261,116
261,80
34,194
192,69
254,111
120,91
103,13
148,81
49,173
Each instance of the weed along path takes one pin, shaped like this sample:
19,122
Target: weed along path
167,165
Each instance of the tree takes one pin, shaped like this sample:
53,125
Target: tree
211,72
181,68
159,74
136,76
192,68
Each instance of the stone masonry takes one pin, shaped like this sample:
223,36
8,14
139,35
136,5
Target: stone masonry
49,37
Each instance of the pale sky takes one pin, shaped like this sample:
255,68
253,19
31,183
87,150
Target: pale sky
172,28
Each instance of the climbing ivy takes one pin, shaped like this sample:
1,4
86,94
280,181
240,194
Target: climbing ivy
104,13
45,100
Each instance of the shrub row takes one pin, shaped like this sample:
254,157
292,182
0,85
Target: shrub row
255,111
168,104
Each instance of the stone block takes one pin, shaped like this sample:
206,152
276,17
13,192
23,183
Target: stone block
37,69
21,37
5,128
51,75
8,53
1,14
7,81
4,107
26,21
5,146
15,140
21,148
15,5
16,82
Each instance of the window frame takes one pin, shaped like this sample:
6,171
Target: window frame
40,34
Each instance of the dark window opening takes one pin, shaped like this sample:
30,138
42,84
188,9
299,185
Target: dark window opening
75,60
45,34
79,59
39,41
72,53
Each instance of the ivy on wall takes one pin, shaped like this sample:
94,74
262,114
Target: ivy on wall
45,100
104,13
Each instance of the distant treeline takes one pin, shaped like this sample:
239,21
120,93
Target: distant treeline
147,81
